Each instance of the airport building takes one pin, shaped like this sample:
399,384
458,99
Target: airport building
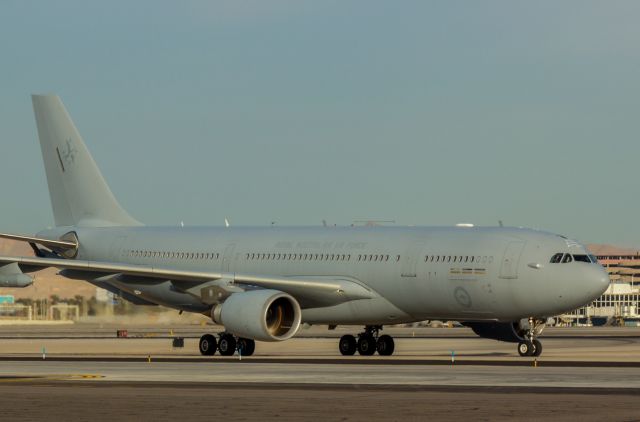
620,303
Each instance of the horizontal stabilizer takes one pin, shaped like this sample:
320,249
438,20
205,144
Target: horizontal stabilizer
47,243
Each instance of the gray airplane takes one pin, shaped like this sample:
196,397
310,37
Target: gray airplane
262,283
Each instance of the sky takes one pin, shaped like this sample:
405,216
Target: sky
293,112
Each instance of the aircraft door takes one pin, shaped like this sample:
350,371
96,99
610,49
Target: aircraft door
116,248
228,258
409,260
509,265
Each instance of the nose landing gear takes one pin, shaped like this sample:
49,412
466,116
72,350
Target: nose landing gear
368,343
227,345
531,346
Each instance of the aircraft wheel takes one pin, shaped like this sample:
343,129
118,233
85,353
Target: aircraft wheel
366,345
207,345
537,348
227,345
347,345
246,346
525,348
385,345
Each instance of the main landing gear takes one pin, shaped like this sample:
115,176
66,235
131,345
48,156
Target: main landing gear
531,346
368,343
227,345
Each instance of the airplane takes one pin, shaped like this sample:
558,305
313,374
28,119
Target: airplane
262,283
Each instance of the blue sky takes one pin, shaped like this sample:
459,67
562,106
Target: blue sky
422,112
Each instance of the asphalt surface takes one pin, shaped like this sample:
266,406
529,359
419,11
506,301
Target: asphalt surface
590,374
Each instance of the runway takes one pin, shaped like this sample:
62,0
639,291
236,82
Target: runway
593,376
284,373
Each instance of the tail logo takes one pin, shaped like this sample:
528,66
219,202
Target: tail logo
68,154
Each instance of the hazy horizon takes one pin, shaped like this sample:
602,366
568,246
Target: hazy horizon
294,112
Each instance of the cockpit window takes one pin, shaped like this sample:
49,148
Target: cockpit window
567,257
557,258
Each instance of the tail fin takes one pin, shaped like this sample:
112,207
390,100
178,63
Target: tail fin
79,194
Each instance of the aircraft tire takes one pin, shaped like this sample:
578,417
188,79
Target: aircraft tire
525,348
366,345
246,346
537,348
385,345
227,345
347,345
207,345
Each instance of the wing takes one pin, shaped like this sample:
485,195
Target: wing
310,291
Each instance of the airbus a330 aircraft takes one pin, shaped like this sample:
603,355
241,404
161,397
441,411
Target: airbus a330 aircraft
262,283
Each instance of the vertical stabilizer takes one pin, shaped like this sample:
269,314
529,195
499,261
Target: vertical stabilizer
79,194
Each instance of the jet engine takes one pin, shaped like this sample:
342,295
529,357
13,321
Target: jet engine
266,315
511,332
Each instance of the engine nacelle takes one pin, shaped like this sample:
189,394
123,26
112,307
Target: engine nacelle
511,332
265,315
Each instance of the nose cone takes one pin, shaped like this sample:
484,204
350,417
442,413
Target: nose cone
571,286
596,281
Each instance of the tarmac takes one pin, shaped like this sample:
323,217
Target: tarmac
86,373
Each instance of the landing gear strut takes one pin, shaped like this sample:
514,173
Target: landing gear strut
368,343
531,346
227,345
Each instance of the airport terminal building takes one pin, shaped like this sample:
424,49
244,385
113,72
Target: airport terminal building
620,304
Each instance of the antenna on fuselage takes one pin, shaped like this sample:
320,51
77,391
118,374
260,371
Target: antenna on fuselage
500,223
373,222
182,224
226,223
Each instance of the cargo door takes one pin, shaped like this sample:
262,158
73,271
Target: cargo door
510,260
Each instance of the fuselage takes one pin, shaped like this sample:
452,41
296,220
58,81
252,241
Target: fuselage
419,273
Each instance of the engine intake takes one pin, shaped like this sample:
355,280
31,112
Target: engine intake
266,315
